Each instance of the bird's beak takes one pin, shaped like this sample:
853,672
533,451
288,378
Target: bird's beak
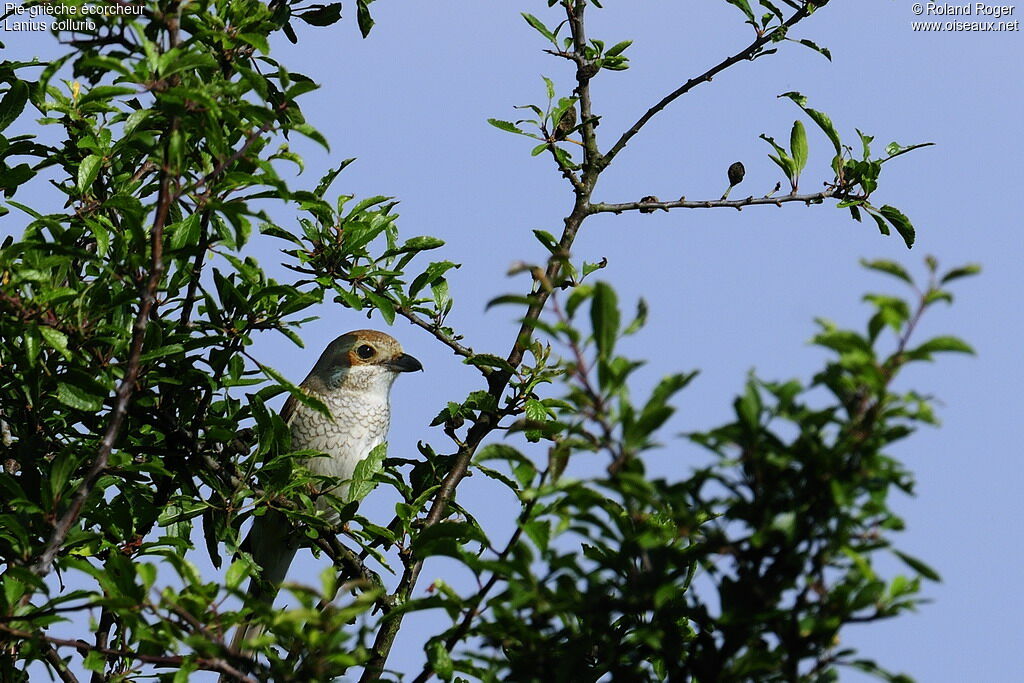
405,363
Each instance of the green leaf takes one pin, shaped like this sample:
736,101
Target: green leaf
433,273
604,317
539,531
445,538
499,451
94,661
895,149
56,339
888,267
817,48
363,475
99,226
236,573
383,305
415,244
744,6
312,133
900,222
618,48
487,360
78,398
823,121
798,146
507,126
440,660
13,103
942,344
321,15
106,93
329,177
963,271
363,17
918,566
185,233
509,299
87,172
539,26
748,407
547,239
535,410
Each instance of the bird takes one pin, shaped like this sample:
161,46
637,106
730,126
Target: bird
353,378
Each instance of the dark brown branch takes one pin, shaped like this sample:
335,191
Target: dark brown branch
176,661
592,160
58,664
349,562
103,640
197,269
747,53
251,138
498,381
125,389
472,609
566,171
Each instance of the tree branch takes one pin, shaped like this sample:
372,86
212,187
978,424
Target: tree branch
348,561
176,661
746,53
498,380
683,203
125,389
420,322
58,664
474,604
250,138
593,164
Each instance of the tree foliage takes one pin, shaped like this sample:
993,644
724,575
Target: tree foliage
133,412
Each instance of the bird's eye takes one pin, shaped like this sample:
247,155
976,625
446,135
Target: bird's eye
365,351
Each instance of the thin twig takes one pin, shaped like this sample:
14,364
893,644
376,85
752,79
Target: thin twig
418,321
498,380
746,53
103,640
251,138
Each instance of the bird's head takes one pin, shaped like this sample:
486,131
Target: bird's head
362,359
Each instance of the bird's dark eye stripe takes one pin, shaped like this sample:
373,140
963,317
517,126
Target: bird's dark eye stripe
365,351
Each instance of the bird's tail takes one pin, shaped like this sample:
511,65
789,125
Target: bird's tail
272,545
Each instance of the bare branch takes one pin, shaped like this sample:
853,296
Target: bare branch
683,203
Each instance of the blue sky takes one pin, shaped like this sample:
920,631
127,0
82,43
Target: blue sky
728,290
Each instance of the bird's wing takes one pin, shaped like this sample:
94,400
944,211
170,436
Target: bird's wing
288,409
